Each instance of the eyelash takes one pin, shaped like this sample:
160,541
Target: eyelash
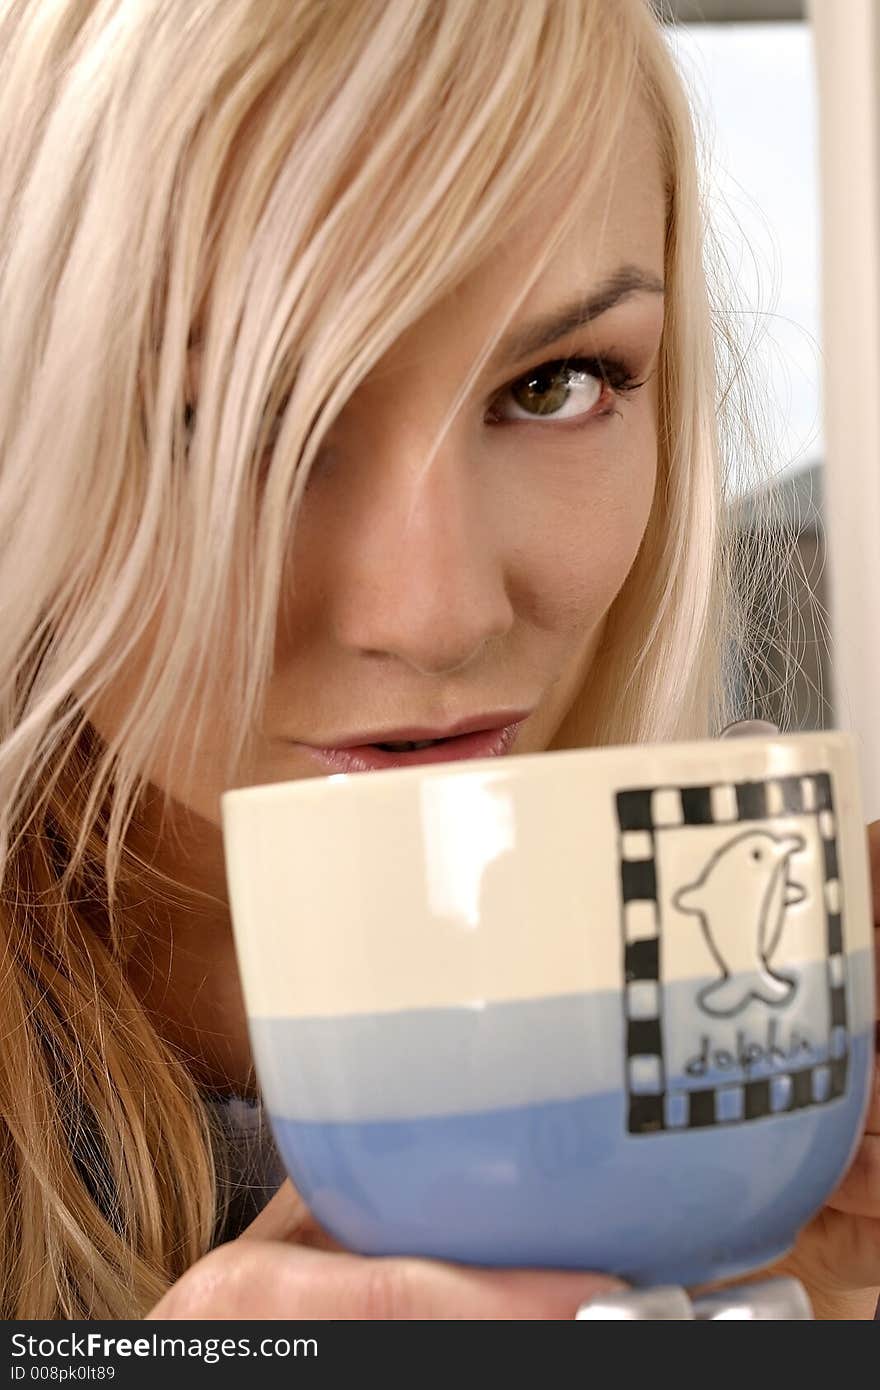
611,371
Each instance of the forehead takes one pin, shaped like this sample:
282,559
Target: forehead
616,218
618,212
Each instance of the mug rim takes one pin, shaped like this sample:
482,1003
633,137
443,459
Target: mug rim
509,764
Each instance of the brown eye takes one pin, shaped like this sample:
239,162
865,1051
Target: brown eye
547,391
565,389
542,392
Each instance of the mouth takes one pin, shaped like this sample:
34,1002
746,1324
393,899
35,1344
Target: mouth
399,752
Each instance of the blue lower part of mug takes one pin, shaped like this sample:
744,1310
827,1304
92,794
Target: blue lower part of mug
566,1185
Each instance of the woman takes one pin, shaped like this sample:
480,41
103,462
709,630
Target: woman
358,374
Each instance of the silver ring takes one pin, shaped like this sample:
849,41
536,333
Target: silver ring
784,1299
749,728
666,1301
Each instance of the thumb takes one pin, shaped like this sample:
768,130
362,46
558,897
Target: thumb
286,1217
416,1288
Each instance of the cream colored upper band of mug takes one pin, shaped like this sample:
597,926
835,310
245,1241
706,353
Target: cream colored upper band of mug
504,882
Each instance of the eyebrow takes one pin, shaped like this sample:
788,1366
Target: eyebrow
547,329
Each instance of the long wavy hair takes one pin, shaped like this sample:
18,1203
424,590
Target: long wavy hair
302,180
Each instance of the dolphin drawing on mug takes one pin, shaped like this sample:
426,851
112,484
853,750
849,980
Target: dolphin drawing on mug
740,898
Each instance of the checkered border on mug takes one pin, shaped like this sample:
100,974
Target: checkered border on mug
641,812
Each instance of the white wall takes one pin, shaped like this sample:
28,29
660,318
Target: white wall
848,69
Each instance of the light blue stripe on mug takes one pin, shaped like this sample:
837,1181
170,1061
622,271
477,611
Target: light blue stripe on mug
563,1185
454,1060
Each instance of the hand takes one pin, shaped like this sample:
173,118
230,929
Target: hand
837,1256
263,1274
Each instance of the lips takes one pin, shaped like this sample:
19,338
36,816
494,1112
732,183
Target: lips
369,757
481,723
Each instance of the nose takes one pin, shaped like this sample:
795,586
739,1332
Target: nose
419,574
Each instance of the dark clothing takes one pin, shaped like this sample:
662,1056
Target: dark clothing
250,1168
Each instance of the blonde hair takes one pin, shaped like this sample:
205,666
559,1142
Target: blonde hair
302,179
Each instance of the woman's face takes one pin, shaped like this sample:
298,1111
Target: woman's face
476,589
473,590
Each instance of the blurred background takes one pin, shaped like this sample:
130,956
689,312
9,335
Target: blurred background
786,95
749,65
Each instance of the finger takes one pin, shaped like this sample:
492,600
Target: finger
859,1193
286,1217
838,1253
871,1124
872,1119
877,979
874,860
270,1280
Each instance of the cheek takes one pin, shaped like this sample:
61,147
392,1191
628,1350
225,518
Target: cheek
162,746
579,526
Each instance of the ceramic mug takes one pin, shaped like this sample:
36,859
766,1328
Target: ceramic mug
608,1009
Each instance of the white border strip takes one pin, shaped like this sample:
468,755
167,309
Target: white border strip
847,46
